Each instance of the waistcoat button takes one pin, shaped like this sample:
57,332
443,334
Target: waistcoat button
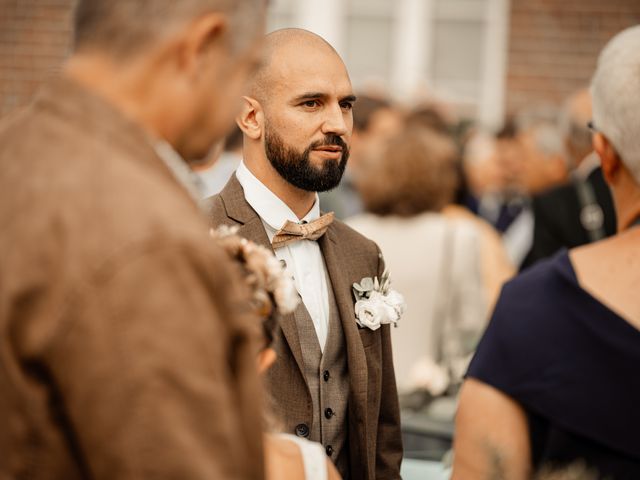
329,450
326,375
328,413
302,430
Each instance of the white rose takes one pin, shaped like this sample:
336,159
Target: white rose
368,313
396,302
387,311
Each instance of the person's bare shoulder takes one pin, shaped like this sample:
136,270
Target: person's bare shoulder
608,269
332,472
283,459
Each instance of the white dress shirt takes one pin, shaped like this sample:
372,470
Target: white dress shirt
303,259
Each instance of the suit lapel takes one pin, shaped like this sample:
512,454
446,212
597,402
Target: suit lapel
252,228
336,262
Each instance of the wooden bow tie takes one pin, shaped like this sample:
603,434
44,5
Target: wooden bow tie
292,232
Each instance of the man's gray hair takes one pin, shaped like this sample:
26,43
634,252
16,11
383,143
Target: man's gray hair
574,118
542,124
122,28
615,90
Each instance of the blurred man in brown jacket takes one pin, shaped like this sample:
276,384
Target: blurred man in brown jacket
333,381
122,355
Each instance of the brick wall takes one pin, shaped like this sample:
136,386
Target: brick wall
34,40
554,44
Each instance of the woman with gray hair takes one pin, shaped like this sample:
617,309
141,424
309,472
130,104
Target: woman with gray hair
554,379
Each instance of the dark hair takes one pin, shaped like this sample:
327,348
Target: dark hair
124,27
429,117
270,325
509,130
364,109
415,173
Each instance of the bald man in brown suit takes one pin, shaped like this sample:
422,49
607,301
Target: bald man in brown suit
122,353
333,381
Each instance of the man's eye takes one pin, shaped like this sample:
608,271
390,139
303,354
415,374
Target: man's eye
346,105
311,103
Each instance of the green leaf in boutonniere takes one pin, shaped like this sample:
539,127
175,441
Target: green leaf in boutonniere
367,284
385,282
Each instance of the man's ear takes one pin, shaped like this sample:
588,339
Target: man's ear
251,118
609,158
195,41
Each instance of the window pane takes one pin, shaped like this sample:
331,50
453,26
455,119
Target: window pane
369,49
460,9
280,14
457,57
371,7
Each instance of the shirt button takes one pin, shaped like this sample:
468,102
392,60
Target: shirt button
326,375
302,430
329,450
328,413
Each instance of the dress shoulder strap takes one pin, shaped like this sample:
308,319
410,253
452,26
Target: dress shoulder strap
314,458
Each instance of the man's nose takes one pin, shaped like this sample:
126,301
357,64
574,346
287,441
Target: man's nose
335,122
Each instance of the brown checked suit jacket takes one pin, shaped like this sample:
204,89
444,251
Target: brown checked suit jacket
122,355
374,421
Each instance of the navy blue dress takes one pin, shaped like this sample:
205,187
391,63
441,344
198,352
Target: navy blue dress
574,366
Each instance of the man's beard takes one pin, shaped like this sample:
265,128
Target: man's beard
296,168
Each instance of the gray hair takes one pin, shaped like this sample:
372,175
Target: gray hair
543,125
548,140
615,89
574,117
123,28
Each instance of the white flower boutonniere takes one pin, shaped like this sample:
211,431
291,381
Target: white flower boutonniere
377,303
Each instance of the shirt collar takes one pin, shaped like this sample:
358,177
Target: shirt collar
179,168
273,211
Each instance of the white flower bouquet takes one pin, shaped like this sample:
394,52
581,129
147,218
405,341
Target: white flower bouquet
377,303
267,279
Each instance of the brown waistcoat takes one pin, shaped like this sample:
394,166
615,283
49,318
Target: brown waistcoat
327,377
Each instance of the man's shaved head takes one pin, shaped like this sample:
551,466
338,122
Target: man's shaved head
298,117
279,47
